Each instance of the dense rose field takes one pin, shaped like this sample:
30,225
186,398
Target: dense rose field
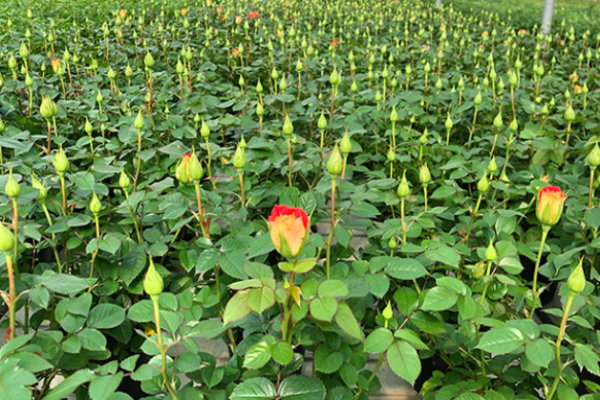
313,183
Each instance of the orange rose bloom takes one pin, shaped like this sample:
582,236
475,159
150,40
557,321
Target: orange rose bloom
55,65
550,205
289,230
123,13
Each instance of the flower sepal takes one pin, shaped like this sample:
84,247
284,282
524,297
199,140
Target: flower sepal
298,267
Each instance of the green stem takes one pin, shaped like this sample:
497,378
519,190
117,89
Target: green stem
289,146
53,237
402,219
209,165
593,169
425,195
134,217
561,334
545,230
473,216
200,211
11,295
330,237
64,194
487,284
16,231
163,353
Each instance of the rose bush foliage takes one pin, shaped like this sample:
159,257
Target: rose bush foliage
324,187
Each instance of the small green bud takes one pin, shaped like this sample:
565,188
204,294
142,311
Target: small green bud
259,87
478,99
569,114
483,185
288,128
576,281
139,121
282,84
392,243
88,128
36,184
449,124
423,138
490,253
95,204
99,97
148,60
391,155
7,240
239,159
204,130
394,115
492,167
498,120
346,145
153,282
424,174
322,123
514,125
12,188
594,156
124,180
335,163
403,188
195,170
388,313
60,162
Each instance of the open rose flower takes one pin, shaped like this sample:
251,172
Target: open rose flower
334,43
289,230
550,205
523,31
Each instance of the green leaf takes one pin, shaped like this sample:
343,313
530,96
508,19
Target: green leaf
411,337
444,255
323,309
405,269
133,264
142,311
378,341
254,389
14,381
585,357
259,354
305,265
129,363
427,322
282,353
64,284
106,316
30,362
406,300
539,352
212,375
80,305
207,329
102,387
233,264
92,340
328,360
404,361
333,288
347,321
69,385
469,396
298,387
188,362
259,299
439,298
261,245
501,340
237,307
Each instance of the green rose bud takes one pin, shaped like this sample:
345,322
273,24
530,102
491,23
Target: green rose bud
388,313
36,184
88,128
195,170
569,114
282,84
394,115
492,167
403,189
576,281
149,60
514,125
153,282
322,123
60,162
346,145
391,155
424,174
7,240
95,204
259,87
490,253
124,180
288,128
239,159
204,130
478,99
449,124
498,120
139,121
392,243
335,163
12,188
594,156
483,185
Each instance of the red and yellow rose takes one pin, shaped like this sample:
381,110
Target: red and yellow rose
289,228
